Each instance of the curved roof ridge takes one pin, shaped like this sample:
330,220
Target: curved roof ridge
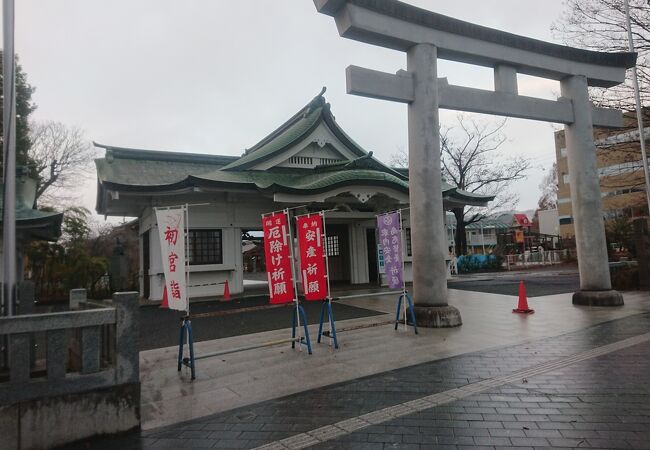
293,130
163,155
289,135
341,135
367,160
319,100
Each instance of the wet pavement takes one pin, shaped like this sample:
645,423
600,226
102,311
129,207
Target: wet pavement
159,327
566,376
585,389
538,283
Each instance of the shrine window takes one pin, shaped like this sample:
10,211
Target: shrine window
205,247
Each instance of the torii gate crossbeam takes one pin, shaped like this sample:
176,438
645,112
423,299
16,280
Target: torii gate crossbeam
426,36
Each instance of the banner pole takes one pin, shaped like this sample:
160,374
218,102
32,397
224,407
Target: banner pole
187,259
319,212
327,269
393,211
402,233
293,277
285,210
186,205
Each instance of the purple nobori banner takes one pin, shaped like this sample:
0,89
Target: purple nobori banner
390,241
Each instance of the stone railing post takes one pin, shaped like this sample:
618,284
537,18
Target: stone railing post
126,331
77,296
26,295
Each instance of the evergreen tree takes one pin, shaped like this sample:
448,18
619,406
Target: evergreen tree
24,107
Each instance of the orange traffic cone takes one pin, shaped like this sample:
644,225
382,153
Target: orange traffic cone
226,291
522,307
165,302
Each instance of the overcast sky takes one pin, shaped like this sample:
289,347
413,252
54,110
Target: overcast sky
215,76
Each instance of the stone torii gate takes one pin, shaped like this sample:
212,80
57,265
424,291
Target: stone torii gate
426,36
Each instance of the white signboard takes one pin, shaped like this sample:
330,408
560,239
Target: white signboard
171,228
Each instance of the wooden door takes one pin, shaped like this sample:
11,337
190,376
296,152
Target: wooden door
373,266
146,263
338,253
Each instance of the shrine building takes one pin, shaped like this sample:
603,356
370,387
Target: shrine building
308,162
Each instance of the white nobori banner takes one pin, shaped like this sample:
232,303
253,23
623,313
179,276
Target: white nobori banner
171,228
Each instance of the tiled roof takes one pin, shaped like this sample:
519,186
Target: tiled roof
299,126
300,182
36,223
292,133
125,166
145,170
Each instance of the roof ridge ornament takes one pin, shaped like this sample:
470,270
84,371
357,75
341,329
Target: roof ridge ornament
316,102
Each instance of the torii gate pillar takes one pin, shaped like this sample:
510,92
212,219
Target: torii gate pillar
426,36
428,236
595,283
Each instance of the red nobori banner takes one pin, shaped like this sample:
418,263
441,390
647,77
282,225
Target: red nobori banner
312,259
278,257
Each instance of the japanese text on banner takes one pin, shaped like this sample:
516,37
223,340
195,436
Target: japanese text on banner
171,228
390,241
312,257
278,257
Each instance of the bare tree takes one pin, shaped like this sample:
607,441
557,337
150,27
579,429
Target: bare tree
549,187
399,159
472,162
61,155
601,25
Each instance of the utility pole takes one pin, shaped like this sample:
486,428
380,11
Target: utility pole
9,161
639,113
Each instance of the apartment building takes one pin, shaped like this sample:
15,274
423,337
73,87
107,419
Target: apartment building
620,169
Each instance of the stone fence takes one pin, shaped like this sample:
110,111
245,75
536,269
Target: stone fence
71,374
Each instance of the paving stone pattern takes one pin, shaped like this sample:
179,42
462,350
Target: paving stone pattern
599,403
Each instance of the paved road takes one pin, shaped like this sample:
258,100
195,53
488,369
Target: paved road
537,283
585,389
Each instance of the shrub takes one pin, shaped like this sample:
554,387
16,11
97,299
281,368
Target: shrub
624,278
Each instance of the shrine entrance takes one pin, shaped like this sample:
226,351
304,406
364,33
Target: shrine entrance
426,36
338,253
373,263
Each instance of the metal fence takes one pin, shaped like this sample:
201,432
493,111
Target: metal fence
528,259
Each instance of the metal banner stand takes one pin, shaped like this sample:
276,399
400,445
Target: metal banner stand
186,323
404,297
299,312
186,330
407,296
327,303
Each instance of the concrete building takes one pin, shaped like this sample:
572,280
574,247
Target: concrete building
481,236
620,172
308,163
